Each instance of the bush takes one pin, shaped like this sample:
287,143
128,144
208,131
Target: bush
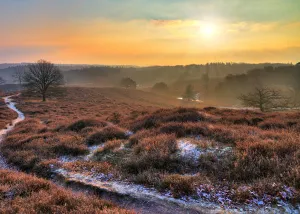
174,128
105,134
180,185
191,116
128,83
83,166
160,87
210,108
109,147
69,145
158,152
140,135
272,124
148,122
81,124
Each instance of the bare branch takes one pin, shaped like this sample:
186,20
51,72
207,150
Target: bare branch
265,99
41,76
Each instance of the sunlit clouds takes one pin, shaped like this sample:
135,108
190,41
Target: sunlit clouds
158,35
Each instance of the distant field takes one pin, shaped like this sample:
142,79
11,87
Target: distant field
96,103
229,157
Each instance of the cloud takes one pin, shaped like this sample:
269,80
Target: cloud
251,26
231,10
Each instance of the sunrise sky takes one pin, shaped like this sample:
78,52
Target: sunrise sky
144,32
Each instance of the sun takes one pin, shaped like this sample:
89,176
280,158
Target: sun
208,29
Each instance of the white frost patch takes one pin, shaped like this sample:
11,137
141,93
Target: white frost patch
192,152
189,150
90,178
105,182
136,191
9,127
92,150
128,133
68,159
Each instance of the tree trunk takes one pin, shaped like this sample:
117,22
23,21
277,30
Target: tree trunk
261,107
44,97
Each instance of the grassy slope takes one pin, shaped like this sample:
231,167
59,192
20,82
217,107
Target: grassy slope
21,193
264,156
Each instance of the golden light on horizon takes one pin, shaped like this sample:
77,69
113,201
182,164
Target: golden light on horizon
179,36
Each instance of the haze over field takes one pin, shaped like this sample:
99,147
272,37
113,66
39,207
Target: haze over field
157,32
139,106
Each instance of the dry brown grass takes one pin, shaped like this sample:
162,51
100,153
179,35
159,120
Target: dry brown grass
264,146
6,114
21,193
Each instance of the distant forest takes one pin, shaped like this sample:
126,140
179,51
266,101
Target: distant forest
222,81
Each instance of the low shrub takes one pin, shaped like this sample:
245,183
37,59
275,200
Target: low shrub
272,124
69,145
210,108
140,135
174,128
147,122
109,146
84,123
189,116
105,134
88,166
158,152
180,185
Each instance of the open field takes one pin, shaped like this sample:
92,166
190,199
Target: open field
226,157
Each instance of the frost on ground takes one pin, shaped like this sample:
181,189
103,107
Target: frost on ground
215,201
213,198
9,127
135,191
190,151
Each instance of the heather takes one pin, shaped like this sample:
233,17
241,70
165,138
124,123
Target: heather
242,156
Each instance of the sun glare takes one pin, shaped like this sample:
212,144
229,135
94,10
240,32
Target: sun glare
208,29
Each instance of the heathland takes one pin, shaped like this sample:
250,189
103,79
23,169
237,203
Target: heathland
223,156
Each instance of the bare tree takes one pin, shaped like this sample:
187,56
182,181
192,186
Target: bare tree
18,74
2,81
265,99
41,76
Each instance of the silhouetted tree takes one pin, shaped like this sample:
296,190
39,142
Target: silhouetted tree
189,93
161,86
2,81
18,74
41,76
264,98
128,83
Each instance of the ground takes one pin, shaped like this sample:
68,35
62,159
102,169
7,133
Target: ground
228,157
21,193
6,115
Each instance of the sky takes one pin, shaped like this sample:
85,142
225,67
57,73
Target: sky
143,32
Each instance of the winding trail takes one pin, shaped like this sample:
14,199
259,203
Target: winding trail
9,127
